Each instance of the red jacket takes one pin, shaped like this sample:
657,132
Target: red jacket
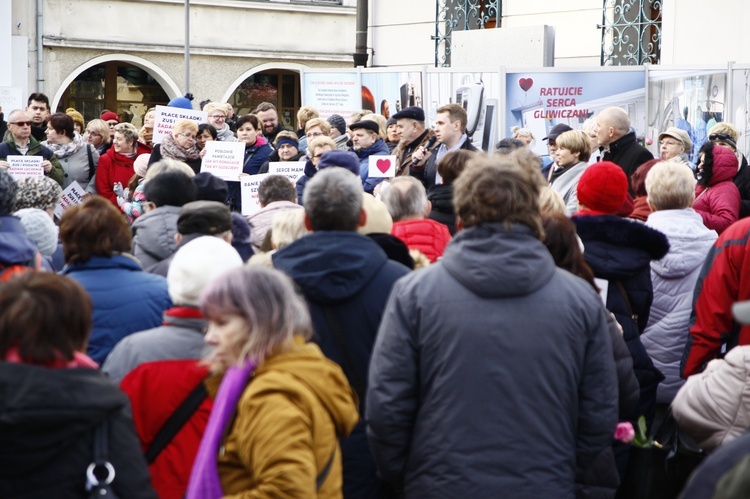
115,167
725,280
156,390
719,204
428,236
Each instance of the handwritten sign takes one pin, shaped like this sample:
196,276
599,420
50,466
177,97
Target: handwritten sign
25,166
292,170
72,195
382,167
167,116
224,159
249,185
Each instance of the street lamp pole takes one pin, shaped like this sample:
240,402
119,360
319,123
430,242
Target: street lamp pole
187,46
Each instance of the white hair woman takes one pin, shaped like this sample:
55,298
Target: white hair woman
180,145
281,405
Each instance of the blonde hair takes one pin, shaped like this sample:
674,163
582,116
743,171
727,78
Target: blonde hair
287,227
725,128
381,121
323,140
215,106
325,127
550,201
184,125
167,165
670,185
306,113
575,141
517,131
101,127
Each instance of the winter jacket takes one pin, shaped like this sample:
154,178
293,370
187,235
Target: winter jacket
719,204
673,279
641,209
115,167
156,155
125,299
628,390
742,181
620,251
350,277
261,221
533,359
274,158
9,148
403,154
15,246
77,167
377,149
428,174
310,171
47,422
156,390
428,236
723,280
286,428
153,235
714,406
441,198
566,185
628,154
181,336
255,156
724,474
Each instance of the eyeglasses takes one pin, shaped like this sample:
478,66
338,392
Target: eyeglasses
218,117
20,123
669,143
312,135
189,136
722,137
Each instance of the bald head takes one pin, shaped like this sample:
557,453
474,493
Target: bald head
612,123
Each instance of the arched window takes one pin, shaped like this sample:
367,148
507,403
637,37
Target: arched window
280,87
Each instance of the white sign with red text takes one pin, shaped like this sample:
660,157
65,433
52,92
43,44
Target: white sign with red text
25,166
292,170
249,185
167,116
72,195
224,159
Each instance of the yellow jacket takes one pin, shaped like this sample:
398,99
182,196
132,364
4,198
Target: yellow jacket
286,428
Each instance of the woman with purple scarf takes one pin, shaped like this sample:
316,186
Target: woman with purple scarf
279,404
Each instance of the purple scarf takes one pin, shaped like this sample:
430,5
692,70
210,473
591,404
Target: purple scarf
204,477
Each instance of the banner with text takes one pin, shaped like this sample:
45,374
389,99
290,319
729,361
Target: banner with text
224,159
25,166
167,116
292,170
72,195
333,93
249,185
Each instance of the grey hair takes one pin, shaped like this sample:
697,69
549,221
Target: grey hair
333,200
406,197
128,130
168,165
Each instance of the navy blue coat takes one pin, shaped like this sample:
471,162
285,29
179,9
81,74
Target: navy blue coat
351,276
379,148
126,299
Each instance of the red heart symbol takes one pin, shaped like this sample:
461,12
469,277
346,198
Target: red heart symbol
383,165
525,83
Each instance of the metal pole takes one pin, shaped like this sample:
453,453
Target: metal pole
360,46
187,46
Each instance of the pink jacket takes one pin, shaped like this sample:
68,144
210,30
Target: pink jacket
719,204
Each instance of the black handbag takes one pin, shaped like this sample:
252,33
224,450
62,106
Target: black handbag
100,473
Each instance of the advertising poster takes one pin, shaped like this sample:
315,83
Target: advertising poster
538,101
333,93
166,116
478,94
389,93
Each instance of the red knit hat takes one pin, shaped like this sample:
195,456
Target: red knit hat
109,115
603,188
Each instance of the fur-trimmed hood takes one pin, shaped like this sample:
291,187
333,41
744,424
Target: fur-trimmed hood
616,247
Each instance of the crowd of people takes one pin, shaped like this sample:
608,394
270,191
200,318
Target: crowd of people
480,325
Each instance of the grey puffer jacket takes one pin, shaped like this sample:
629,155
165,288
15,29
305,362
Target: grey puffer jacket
493,376
153,235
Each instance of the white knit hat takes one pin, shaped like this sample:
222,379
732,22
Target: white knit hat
40,228
196,264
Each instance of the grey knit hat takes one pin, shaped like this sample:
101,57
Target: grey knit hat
8,192
337,121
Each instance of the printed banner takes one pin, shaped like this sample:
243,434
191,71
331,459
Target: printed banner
25,166
249,185
72,195
333,93
224,159
166,117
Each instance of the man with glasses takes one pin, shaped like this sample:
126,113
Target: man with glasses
38,109
20,142
216,114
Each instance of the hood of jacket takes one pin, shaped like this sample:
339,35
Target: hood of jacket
43,411
495,260
154,231
617,247
379,147
689,241
725,165
324,378
331,266
15,245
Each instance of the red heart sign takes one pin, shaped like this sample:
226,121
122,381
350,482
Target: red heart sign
383,165
525,83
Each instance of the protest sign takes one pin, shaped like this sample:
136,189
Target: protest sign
25,166
249,185
292,170
167,116
224,159
72,195
382,167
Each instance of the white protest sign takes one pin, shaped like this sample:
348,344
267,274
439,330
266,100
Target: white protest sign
603,286
11,98
72,195
292,170
382,167
249,185
166,116
224,159
25,166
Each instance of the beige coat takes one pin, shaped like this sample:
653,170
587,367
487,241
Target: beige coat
714,406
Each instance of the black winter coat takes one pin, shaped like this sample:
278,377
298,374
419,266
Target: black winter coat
427,174
47,423
441,197
628,154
